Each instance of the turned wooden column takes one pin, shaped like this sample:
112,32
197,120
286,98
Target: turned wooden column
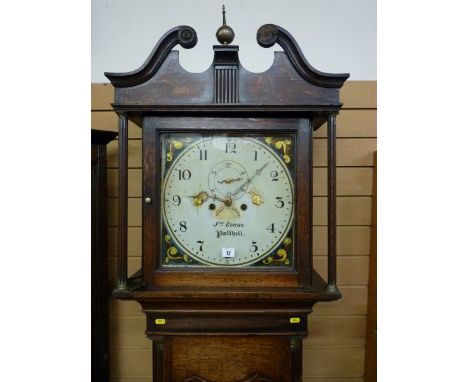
122,204
331,126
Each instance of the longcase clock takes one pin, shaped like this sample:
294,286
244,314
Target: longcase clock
227,278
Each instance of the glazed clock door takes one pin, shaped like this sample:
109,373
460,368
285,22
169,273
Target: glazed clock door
223,205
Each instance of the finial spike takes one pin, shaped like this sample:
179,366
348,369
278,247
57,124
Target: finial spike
225,34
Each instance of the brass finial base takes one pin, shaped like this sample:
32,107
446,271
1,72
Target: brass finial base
225,35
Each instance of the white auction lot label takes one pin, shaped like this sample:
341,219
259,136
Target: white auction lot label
228,252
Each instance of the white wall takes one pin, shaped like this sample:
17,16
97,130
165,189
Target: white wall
335,35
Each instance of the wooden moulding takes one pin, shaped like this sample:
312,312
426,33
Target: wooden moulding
356,96
183,35
269,34
290,85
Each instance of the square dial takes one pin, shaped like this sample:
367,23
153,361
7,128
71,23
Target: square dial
227,200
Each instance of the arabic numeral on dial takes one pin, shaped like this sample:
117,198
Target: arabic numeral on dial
279,202
185,174
201,245
203,155
254,247
230,148
271,228
274,176
183,226
177,200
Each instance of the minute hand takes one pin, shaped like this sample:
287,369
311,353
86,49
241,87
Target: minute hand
257,172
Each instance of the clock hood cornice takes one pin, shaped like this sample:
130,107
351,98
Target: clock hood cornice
269,34
290,81
182,35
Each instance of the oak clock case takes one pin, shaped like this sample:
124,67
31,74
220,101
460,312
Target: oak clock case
227,265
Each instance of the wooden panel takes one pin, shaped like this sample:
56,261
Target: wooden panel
359,94
349,151
355,94
134,182
354,302
130,361
230,358
134,154
146,379
350,210
134,241
108,120
349,181
353,123
339,331
128,331
351,270
351,240
333,361
102,95
134,212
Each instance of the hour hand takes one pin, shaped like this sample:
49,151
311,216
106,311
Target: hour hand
202,196
199,199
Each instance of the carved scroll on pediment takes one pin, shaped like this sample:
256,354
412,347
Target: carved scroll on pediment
254,378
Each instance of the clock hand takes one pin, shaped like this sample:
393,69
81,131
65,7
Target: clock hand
257,172
200,198
229,180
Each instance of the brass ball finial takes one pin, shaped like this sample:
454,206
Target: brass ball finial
225,34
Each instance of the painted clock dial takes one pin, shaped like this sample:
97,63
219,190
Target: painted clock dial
227,201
